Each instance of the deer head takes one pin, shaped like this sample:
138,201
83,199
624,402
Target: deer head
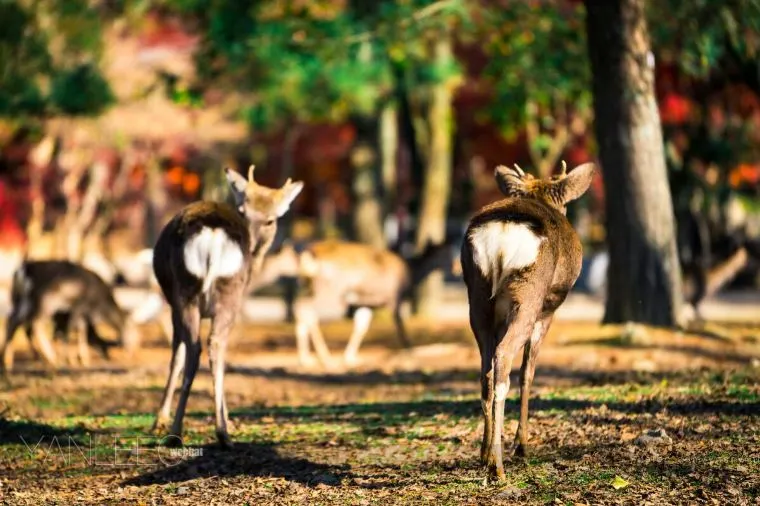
557,191
261,206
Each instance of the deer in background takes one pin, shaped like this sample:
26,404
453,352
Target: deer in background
203,261
277,264
520,258
64,294
349,275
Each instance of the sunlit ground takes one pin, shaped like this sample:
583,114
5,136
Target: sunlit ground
402,427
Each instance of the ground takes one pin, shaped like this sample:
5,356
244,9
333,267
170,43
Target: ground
402,428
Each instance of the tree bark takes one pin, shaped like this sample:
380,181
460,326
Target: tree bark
368,209
437,184
644,279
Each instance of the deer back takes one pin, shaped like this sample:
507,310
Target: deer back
44,287
204,242
370,274
511,240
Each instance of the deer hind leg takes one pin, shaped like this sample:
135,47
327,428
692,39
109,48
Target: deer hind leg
512,334
221,325
176,366
307,329
400,327
81,330
306,320
527,372
481,323
165,322
187,323
61,335
486,402
362,321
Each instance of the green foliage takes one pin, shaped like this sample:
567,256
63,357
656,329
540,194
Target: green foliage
48,55
316,61
23,57
80,91
699,33
537,53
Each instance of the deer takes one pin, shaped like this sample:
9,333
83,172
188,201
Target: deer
67,295
281,263
203,261
349,275
520,258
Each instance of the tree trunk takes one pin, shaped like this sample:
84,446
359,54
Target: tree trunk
388,150
365,162
644,279
435,192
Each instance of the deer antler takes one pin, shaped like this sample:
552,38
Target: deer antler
564,168
519,170
250,173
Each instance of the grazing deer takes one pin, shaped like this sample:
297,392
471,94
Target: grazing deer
62,293
203,261
349,275
520,258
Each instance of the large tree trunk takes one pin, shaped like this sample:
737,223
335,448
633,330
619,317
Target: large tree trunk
644,279
437,184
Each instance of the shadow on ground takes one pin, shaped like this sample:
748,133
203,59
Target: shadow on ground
373,417
31,433
545,374
246,459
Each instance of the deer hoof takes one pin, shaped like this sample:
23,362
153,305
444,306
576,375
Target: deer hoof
307,361
159,426
224,440
351,360
173,441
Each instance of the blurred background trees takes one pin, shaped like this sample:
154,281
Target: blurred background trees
394,113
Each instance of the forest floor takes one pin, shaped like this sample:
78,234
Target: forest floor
403,427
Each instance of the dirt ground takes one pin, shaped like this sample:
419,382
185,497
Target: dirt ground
403,427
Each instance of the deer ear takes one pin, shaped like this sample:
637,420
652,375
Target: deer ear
288,193
577,182
510,181
237,184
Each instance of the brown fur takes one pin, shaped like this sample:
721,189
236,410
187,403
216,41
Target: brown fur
250,228
44,291
518,313
346,274
283,263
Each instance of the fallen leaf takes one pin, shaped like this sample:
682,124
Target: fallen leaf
619,483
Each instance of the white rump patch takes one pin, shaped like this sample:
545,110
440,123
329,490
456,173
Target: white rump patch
501,248
211,254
